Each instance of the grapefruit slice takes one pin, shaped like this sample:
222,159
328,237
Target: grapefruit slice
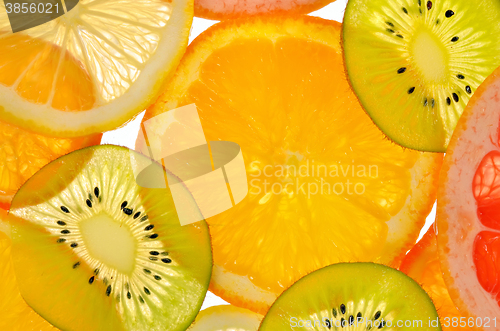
469,208
422,264
117,54
224,9
15,314
276,86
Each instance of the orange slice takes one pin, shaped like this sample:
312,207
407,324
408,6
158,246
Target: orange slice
224,9
325,185
23,153
15,314
422,264
469,207
93,68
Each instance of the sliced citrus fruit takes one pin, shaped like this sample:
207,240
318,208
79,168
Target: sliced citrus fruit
15,314
415,64
226,318
469,207
116,55
224,9
324,183
422,264
22,153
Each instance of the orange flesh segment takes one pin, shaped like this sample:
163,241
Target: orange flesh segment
41,73
486,189
23,153
487,261
422,264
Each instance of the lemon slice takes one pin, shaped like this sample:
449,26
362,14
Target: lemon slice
126,48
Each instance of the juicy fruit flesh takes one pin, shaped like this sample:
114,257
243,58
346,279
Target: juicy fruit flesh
42,73
430,57
297,135
92,69
22,153
422,264
70,277
487,244
109,242
415,64
357,296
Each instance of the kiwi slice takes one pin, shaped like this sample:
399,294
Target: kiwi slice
353,296
414,64
93,250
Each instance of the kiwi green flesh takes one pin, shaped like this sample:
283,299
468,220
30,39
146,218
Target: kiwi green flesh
101,252
352,296
414,64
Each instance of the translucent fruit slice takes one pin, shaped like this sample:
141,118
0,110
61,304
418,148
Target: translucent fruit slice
15,314
422,264
325,185
93,250
92,69
226,318
22,153
468,207
414,64
224,9
353,296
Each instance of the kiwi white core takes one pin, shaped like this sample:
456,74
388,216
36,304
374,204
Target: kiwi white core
109,242
430,56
